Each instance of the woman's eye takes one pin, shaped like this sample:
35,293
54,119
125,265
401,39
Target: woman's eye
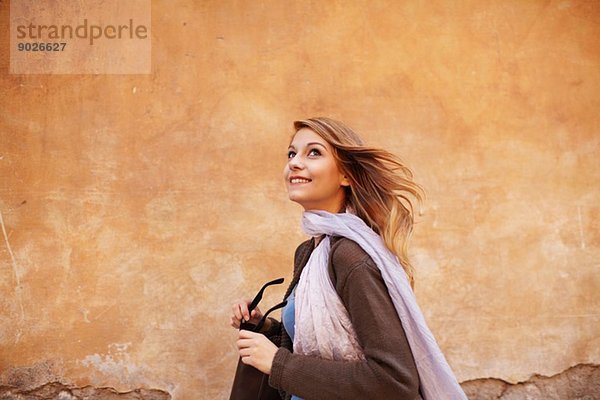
291,153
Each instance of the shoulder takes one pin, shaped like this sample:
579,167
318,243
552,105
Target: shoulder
346,256
346,253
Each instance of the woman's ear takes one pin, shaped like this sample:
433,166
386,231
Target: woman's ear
345,181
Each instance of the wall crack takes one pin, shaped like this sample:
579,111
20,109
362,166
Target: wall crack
60,391
580,382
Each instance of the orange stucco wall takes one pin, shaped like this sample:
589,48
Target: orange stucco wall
136,208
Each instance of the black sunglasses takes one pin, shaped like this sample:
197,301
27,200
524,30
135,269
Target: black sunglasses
256,328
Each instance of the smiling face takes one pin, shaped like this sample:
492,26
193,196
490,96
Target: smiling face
311,174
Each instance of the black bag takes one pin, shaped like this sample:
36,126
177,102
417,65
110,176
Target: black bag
250,383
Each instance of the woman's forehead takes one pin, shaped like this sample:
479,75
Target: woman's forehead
304,136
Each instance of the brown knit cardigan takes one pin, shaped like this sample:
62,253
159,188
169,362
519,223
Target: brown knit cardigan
389,371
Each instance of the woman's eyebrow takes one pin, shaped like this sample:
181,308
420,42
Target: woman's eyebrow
308,144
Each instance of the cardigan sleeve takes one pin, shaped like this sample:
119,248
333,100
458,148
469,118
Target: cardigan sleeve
389,370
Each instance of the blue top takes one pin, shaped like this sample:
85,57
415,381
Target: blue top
288,314
289,320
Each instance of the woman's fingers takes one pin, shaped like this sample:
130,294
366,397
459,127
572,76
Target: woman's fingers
244,352
257,314
244,310
246,347
244,343
256,350
236,312
244,334
239,311
243,306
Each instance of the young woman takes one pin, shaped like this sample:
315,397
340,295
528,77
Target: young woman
352,328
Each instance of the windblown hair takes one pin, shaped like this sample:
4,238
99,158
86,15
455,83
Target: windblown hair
381,186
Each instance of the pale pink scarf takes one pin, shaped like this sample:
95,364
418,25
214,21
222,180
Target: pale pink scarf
322,325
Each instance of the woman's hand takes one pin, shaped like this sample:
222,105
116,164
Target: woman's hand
240,311
256,350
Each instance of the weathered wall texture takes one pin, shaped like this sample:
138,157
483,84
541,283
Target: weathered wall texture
135,209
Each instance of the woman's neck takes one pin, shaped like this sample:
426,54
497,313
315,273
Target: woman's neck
318,239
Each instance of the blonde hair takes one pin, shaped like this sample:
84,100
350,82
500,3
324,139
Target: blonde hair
381,186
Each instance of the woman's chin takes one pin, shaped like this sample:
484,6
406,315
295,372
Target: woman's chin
298,200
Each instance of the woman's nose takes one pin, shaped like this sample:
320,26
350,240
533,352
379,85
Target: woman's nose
295,162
